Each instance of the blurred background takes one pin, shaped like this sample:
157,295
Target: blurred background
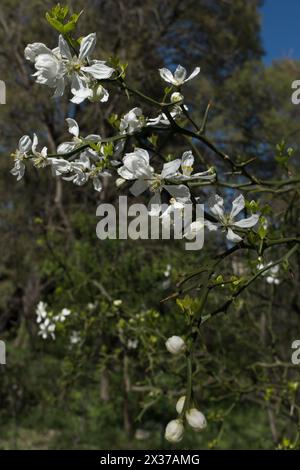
106,381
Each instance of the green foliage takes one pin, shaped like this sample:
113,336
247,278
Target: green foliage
57,17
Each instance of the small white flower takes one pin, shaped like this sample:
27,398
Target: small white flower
175,345
187,163
55,67
180,404
18,170
196,419
117,302
40,159
176,206
132,121
47,328
75,337
41,311
193,229
132,344
77,140
179,76
25,144
271,274
174,431
62,315
163,119
167,271
227,221
136,166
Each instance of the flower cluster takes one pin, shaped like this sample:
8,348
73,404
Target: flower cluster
48,321
56,67
194,418
93,161
271,275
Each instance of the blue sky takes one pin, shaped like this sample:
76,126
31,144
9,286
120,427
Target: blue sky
281,29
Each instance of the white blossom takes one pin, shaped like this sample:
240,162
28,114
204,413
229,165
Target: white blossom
179,76
41,311
175,345
227,222
77,140
55,67
40,159
132,121
47,329
193,229
174,431
271,274
167,271
132,343
163,119
25,144
187,163
196,419
60,317
75,337
136,166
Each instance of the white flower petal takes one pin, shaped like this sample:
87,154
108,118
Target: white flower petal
210,226
180,74
64,48
216,205
97,184
155,205
167,76
170,168
33,50
237,206
60,88
98,70
25,144
233,237
87,45
138,187
187,162
247,223
66,147
73,127
178,191
193,74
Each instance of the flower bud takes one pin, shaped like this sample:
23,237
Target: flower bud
175,345
119,182
180,404
174,430
196,419
176,97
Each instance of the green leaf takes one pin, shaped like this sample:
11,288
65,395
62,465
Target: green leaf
55,23
69,27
